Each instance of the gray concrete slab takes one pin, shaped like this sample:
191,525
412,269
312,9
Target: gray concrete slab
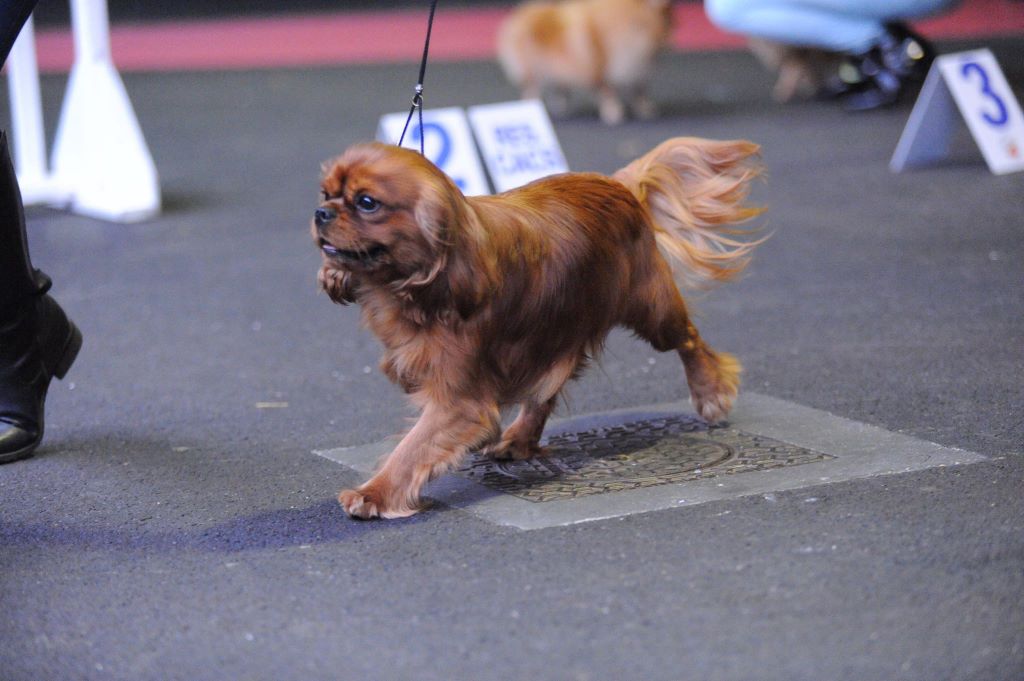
849,450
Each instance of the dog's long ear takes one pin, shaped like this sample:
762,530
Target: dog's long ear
437,210
337,284
452,283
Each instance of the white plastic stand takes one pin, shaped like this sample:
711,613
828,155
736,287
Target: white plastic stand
27,120
101,165
964,87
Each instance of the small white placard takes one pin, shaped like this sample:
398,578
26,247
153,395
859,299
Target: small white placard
517,141
974,83
447,141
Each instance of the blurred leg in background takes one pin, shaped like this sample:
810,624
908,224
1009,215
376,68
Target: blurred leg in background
883,57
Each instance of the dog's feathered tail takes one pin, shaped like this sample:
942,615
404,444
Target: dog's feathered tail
696,191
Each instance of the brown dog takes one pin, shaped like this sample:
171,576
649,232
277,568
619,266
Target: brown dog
488,301
604,47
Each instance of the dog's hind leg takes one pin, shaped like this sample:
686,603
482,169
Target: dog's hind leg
521,439
658,315
442,436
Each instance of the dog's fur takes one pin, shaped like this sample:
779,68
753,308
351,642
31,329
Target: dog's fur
603,47
490,301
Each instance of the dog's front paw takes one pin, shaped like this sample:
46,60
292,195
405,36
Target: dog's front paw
368,502
337,284
357,504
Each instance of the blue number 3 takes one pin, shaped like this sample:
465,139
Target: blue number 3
986,89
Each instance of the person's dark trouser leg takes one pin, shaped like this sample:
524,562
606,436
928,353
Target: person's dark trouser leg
13,15
37,341
18,279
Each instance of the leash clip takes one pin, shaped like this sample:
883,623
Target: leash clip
417,99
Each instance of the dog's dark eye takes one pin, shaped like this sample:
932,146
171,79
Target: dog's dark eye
366,203
324,196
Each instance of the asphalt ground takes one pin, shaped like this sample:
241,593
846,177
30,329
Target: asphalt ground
173,526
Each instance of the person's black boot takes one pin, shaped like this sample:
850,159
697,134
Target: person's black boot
882,75
37,340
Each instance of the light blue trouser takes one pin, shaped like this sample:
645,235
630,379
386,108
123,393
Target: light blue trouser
837,25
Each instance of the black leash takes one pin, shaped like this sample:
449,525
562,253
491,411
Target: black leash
417,99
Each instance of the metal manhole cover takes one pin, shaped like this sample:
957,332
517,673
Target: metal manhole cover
634,455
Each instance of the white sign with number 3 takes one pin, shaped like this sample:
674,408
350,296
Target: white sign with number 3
988,106
973,84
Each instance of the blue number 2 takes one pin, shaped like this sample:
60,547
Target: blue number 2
446,146
1002,116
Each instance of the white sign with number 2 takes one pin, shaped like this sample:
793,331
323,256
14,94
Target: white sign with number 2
447,141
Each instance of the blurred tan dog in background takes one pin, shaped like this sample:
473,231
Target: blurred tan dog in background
603,47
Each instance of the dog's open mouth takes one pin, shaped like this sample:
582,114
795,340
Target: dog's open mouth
365,256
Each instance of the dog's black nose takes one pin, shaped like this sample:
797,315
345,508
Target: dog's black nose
322,216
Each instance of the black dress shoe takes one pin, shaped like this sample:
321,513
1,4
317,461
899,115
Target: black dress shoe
881,76
37,342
